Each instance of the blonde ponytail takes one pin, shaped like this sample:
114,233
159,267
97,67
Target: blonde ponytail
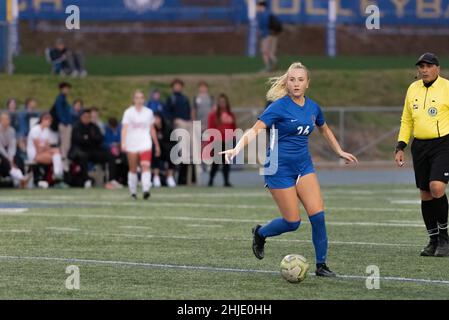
278,85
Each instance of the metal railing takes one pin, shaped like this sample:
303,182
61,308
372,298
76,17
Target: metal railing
347,127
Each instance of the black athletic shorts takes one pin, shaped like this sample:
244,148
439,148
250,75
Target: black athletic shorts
430,161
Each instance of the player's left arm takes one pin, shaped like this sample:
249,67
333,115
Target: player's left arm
333,143
155,140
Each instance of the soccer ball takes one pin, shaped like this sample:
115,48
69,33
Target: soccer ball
294,268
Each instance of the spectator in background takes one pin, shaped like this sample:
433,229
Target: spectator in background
66,61
63,120
155,102
112,142
222,119
163,162
39,147
77,108
96,119
10,164
203,103
87,146
269,29
179,111
11,108
27,118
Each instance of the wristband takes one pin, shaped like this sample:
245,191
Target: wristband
400,146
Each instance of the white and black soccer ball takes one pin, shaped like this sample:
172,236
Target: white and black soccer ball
294,268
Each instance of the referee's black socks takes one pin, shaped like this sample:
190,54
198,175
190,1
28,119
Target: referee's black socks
441,209
430,216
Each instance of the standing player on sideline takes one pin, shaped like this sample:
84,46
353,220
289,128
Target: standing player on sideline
137,133
426,116
294,116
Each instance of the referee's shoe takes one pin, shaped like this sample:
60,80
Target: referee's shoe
443,246
430,249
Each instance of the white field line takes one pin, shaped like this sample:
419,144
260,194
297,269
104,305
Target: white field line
179,237
183,218
134,227
405,221
113,196
15,231
218,206
62,229
205,268
12,211
204,225
414,201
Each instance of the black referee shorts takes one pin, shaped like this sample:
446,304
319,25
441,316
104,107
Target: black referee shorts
430,161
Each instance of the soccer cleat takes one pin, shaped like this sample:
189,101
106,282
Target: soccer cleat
442,249
258,243
429,250
322,270
134,196
146,195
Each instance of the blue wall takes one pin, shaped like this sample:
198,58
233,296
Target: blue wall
3,29
416,12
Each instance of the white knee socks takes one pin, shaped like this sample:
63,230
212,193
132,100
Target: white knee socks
132,182
146,181
57,165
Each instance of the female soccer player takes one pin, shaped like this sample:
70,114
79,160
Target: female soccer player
137,133
294,115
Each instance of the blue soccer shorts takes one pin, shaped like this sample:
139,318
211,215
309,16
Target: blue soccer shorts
284,180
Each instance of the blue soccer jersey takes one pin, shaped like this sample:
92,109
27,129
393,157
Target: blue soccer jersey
288,152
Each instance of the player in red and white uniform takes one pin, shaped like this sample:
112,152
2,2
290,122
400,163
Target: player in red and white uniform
138,136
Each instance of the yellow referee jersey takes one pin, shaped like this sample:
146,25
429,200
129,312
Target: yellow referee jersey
426,111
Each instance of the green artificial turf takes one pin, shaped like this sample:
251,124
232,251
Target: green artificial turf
140,250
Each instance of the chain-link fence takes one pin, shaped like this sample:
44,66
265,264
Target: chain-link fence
370,133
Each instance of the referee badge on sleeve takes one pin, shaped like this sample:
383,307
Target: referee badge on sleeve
432,111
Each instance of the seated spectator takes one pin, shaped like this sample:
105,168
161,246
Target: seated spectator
112,142
11,108
155,102
95,114
66,61
10,164
27,118
39,149
77,108
87,147
163,162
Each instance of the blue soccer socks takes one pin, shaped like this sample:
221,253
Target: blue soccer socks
319,236
278,226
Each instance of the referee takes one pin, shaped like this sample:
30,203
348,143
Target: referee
426,117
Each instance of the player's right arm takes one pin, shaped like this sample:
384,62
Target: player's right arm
246,139
123,137
125,123
404,132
